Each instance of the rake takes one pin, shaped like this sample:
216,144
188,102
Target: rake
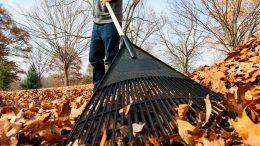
151,88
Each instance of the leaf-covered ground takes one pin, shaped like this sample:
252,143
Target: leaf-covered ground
46,116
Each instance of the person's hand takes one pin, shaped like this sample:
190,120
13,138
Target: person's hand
103,2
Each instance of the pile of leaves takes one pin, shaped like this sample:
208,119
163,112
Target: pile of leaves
40,117
238,78
46,116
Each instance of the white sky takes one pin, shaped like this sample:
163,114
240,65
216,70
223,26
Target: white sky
15,6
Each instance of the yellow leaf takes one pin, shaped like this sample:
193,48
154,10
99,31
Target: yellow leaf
8,115
253,139
208,109
184,127
104,139
5,125
243,125
182,109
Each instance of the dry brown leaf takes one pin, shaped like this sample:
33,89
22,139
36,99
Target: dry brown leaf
124,131
182,109
45,105
76,143
76,112
51,137
5,125
8,115
242,91
253,138
257,106
208,109
243,124
9,141
125,109
218,142
184,128
153,140
66,109
35,124
137,127
104,139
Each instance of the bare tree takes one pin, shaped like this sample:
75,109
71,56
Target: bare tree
40,61
129,9
60,30
228,21
183,39
73,71
143,26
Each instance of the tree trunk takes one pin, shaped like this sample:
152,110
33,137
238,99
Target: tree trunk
186,66
66,76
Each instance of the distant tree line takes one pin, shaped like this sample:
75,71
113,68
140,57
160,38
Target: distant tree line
55,35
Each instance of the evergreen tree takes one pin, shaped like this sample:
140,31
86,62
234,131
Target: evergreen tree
6,77
32,80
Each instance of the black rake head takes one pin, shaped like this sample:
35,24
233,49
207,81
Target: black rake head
147,91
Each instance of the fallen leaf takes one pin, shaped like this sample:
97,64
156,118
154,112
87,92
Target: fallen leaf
184,128
66,109
5,125
124,131
76,112
182,109
12,141
51,137
35,124
137,127
242,91
76,143
8,115
104,139
218,142
12,132
208,109
257,106
244,124
253,138
125,109
154,141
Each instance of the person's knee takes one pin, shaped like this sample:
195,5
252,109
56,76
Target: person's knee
96,61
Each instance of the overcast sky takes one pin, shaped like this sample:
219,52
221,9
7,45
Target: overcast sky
15,6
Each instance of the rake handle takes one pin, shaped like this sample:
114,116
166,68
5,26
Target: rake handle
113,16
120,30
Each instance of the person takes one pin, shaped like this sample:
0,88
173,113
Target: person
105,39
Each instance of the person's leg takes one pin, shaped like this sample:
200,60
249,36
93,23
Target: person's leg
111,40
96,56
